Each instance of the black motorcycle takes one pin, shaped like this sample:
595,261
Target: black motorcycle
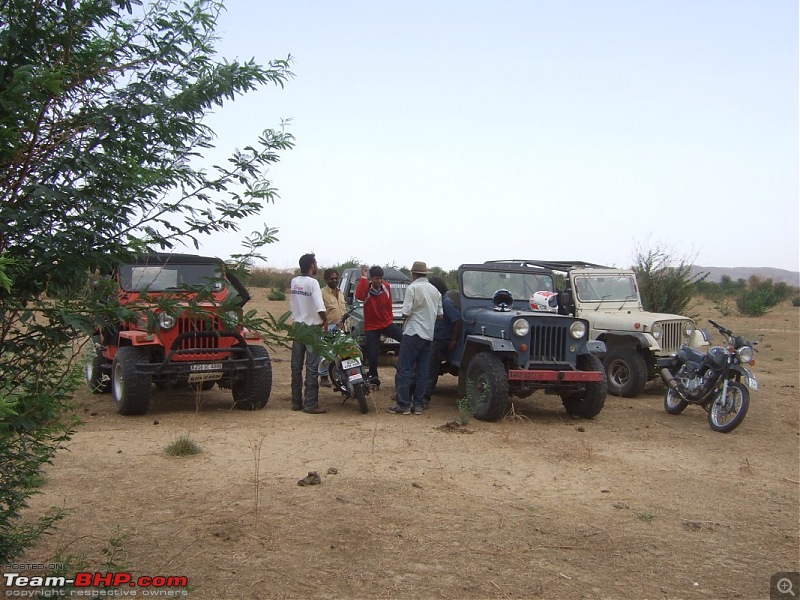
716,380
346,371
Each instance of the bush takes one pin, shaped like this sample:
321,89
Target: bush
796,301
665,282
760,296
183,446
277,295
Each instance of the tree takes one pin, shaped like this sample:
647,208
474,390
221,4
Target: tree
101,134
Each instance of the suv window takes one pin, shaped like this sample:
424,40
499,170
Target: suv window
398,291
483,284
158,278
598,288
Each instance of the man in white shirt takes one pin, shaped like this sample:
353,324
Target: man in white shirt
422,306
307,307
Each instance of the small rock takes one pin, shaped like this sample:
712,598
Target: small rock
605,491
417,485
155,422
119,451
332,470
312,478
581,428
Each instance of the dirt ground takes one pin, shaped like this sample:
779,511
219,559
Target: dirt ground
633,504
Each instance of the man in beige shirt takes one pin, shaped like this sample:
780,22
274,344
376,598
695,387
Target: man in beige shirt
335,309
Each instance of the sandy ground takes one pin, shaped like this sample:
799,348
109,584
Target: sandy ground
634,504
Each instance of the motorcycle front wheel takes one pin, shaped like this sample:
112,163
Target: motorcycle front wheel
725,414
673,403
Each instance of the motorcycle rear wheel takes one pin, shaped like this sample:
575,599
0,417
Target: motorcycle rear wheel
673,403
724,415
361,396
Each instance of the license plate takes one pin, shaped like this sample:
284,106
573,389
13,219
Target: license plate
351,363
208,376
205,367
356,378
752,383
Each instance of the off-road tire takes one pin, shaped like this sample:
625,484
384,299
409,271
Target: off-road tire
739,391
626,371
673,403
361,397
252,392
131,391
487,387
589,403
94,374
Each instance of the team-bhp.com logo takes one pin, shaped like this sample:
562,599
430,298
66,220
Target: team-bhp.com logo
87,584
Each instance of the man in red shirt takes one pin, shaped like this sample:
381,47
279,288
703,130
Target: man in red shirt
376,295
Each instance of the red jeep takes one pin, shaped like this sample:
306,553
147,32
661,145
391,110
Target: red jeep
183,327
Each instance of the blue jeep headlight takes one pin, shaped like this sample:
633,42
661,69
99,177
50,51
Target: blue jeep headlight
521,328
577,330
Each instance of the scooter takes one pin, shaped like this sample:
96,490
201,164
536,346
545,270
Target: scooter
346,372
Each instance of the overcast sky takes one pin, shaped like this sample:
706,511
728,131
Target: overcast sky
463,131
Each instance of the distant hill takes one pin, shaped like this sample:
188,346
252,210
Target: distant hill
736,273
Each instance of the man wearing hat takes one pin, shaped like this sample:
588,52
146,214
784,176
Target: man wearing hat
421,307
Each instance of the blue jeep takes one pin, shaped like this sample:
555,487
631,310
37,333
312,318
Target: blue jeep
513,342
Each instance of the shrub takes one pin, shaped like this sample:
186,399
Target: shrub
796,301
760,296
277,294
183,446
665,282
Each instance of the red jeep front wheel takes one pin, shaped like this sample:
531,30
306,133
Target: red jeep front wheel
252,392
131,391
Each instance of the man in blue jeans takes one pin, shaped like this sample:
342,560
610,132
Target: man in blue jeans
307,307
422,306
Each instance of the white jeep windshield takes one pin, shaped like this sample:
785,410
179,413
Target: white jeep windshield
606,288
483,284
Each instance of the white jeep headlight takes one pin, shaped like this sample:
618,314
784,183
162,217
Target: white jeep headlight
166,321
657,331
231,318
521,328
577,330
688,329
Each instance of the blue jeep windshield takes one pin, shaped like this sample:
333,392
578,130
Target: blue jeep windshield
483,284
158,278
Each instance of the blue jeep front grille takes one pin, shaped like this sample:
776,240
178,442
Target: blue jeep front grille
548,343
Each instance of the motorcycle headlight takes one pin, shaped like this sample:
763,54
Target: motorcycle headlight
521,328
166,321
745,354
688,329
657,331
577,330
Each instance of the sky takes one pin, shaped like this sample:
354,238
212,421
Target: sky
460,131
